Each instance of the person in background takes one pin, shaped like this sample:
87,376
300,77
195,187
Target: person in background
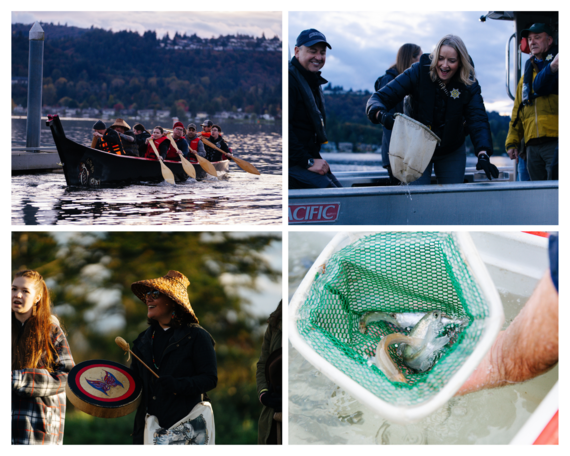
407,55
206,129
41,361
127,137
307,114
515,357
99,129
535,112
141,135
268,377
216,138
194,143
445,96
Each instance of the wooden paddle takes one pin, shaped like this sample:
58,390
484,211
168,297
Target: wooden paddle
188,168
205,164
241,163
166,173
125,346
94,142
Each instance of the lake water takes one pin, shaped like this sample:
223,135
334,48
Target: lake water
241,198
320,412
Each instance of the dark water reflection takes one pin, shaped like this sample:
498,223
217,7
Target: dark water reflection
241,198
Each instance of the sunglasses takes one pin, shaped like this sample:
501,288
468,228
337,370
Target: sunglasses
155,294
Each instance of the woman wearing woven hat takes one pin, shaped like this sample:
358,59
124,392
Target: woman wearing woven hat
181,353
446,97
41,360
127,137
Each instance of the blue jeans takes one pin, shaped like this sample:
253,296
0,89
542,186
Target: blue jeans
522,172
449,169
303,178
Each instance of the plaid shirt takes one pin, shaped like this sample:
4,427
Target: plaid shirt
38,399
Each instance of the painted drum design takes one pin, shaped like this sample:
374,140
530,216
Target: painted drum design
105,389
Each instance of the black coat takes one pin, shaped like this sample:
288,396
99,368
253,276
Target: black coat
303,143
190,358
447,117
391,74
141,144
214,155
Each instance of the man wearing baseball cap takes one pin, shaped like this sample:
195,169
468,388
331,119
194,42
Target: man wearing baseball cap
206,128
535,113
307,116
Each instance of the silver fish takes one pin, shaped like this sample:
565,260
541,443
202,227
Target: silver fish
404,319
421,357
383,359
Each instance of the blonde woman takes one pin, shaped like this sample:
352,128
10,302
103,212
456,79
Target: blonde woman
41,360
446,97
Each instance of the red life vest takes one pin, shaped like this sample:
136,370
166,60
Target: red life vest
150,152
194,146
206,134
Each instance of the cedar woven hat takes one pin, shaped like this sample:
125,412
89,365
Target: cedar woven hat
173,285
121,123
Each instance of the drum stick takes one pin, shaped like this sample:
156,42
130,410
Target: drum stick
125,346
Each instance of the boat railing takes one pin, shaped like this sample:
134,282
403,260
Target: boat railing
381,178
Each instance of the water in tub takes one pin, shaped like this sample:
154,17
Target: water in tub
322,413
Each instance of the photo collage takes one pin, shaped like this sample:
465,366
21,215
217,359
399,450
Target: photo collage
391,175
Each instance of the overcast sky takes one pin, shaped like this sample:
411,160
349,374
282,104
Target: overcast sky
364,45
205,24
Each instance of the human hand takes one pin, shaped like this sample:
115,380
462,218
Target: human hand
388,120
513,153
169,383
271,400
484,163
320,167
554,64
96,133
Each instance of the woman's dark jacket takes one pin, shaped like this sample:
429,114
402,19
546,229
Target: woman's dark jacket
306,111
131,147
382,81
141,142
190,358
434,108
212,154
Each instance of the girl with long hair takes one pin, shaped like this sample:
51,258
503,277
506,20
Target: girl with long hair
445,97
41,360
408,54
175,408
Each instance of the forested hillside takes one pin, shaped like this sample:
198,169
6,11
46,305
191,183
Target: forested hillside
124,70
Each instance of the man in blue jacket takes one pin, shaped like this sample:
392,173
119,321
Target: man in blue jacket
307,116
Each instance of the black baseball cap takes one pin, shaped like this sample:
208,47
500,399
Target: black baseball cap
537,28
207,123
310,37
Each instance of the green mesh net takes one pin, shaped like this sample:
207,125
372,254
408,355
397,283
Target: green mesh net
392,272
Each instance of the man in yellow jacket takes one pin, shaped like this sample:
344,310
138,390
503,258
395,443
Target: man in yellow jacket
535,113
